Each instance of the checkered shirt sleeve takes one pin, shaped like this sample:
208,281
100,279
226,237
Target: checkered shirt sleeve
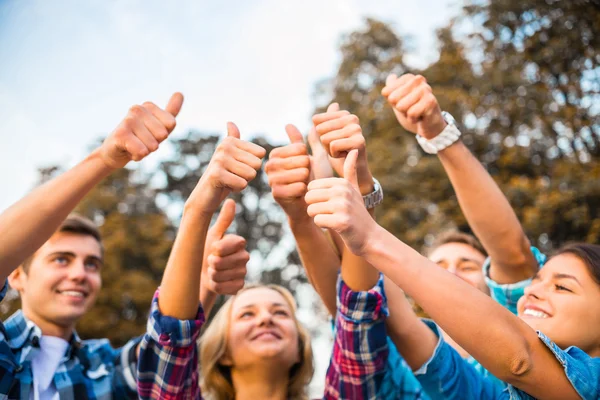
358,363
168,360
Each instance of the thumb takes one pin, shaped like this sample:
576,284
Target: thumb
294,134
350,168
314,141
333,107
232,130
225,218
174,104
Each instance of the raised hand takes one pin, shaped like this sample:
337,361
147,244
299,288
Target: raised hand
225,256
288,171
234,163
414,104
336,204
340,133
140,132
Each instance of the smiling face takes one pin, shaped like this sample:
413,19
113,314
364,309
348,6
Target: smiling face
563,302
62,280
262,327
463,261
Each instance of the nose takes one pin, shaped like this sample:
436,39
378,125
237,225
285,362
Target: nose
265,318
452,269
535,289
77,271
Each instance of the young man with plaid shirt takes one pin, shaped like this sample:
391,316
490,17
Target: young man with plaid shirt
55,262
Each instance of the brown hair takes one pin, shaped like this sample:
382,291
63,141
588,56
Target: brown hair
588,253
216,377
454,236
76,224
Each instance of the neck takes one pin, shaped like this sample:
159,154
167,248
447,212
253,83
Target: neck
50,328
260,382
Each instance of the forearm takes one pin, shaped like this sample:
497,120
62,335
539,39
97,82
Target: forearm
490,215
320,260
413,339
475,321
27,224
180,287
356,272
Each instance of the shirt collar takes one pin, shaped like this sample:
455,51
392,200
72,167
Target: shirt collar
22,332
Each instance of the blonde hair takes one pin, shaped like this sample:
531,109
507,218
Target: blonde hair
216,377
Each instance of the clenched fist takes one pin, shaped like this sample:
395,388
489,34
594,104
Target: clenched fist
140,132
414,104
234,163
336,204
340,133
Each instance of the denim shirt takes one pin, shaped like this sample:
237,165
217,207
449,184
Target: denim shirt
582,370
400,378
447,376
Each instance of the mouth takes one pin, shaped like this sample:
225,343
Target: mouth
535,313
267,335
74,293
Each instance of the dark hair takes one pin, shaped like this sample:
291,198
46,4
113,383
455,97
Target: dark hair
588,253
454,236
76,224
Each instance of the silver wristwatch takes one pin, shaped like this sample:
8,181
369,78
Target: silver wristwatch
449,135
375,197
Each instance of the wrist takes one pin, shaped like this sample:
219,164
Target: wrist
96,157
366,185
454,149
372,238
299,220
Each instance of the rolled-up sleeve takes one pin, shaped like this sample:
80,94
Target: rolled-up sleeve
168,359
360,350
509,294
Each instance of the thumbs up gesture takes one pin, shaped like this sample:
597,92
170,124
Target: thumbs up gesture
340,133
225,256
288,171
234,163
414,104
140,133
336,204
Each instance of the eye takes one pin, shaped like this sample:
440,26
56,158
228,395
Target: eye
246,314
92,265
281,312
562,288
470,267
62,260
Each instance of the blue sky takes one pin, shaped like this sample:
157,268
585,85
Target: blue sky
71,69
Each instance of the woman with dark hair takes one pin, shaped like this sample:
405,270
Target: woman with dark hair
550,350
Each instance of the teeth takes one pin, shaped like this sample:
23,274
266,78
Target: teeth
535,313
72,293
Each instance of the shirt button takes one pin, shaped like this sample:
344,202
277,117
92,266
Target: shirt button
164,337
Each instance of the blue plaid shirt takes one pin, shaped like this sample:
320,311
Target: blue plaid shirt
90,369
509,294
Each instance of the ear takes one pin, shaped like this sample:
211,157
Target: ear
17,278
